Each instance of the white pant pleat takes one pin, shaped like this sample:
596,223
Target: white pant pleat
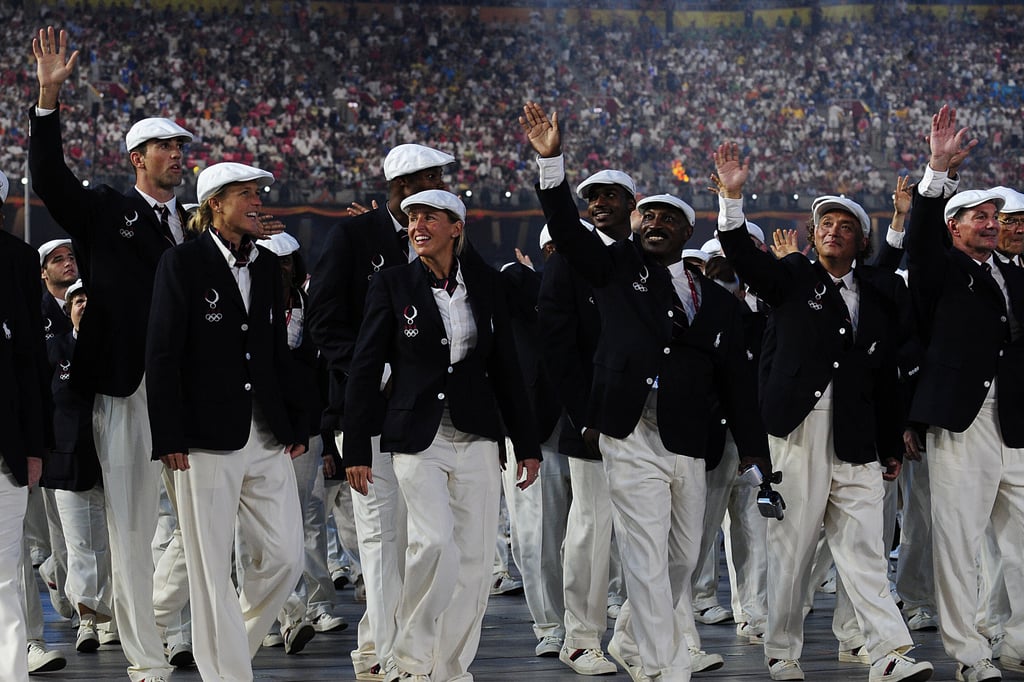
85,532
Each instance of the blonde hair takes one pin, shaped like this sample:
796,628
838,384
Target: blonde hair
202,217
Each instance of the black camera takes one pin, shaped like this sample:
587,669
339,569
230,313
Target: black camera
769,502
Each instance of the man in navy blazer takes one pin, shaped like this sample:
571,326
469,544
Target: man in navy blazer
24,435
970,394
830,403
670,341
357,249
119,238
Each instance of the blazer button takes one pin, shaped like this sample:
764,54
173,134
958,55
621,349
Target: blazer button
1002,318
835,365
671,314
247,386
444,342
817,394
650,381
842,330
248,356
1000,353
451,369
724,422
440,396
988,384
245,327
667,350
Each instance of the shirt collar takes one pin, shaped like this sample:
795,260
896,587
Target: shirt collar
226,252
172,204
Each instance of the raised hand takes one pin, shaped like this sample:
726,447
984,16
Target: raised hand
784,243
947,144
541,131
53,66
901,196
524,259
730,172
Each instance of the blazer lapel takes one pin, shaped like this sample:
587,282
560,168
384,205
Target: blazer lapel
220,272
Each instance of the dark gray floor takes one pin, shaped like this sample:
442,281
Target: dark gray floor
506,652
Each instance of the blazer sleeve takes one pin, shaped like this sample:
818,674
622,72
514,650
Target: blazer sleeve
330,322
165,351
559,322
371,352
769,278
581,247
927,257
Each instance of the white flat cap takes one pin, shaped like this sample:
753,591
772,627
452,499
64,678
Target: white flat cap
219,174
1013,201
754,230
700,255
77,286
5,187
49,247
607,177
438,198
713,247
154,129
545,236
823,205
970,199
406,159
671,201
281,244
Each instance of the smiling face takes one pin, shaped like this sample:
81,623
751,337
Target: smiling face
433,233
609,207
975,230
664,230
236,209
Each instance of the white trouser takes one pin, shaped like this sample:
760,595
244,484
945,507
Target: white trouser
746,551
975,480
538,517
381,527
85,532
170,579
55,567
817,487
13,640
451,491
658,499
131,486
994,602
253,489
37,532
342,537
915,579
315,589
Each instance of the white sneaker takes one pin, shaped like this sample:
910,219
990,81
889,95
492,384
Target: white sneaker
713,615
108,633
980,671
857,654
701,661
996,644
61,604
504,583
785,669
297,636
829,585
87,641
548,646
587,661
359,590
922,620
634,670
43,660
273,639
373,674
324,621
614,610
747,631
897,665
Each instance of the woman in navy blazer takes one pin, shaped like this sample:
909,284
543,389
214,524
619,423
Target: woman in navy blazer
227,419
437,331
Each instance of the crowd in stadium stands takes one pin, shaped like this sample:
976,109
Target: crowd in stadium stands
318,98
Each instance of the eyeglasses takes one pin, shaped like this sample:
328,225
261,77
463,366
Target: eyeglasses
1012,222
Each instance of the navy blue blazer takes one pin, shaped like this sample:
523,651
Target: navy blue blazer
636,347
118,242
73,464
356,249
209,363
25,426
484,392
963,322
808,343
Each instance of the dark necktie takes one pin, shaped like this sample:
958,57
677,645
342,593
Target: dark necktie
449,283
403,241
680,323
987,267
165,222
241,253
